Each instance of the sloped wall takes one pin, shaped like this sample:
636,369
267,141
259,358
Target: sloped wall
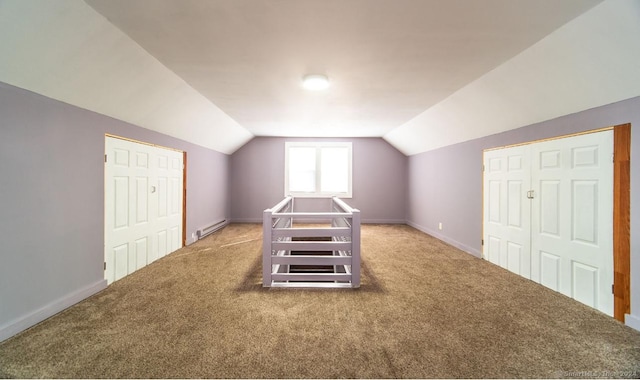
66,50
589,62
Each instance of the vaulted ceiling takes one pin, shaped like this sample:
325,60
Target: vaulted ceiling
420,73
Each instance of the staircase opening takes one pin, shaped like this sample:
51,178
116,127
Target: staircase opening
313,268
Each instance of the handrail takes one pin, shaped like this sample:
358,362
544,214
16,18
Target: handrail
342,204
280,205
312,214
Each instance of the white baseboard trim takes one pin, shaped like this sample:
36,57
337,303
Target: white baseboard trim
20,324
246,220
632,321
439,236
383,221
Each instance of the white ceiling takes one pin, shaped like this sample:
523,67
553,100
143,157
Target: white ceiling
388,61
420,73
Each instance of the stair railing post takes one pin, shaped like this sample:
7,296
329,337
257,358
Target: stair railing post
266,247
355,248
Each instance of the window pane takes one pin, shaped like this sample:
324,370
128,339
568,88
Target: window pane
302,169
334,169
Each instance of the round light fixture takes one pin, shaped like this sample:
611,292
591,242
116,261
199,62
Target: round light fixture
315,82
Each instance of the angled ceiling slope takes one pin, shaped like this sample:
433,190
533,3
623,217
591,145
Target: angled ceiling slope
388,61
592,61
421,73
67,51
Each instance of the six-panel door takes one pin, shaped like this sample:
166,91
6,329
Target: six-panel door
572,213
143,205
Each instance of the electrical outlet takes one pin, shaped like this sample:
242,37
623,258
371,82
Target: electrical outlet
440,226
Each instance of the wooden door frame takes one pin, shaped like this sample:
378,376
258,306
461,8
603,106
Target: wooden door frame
184,198
621,221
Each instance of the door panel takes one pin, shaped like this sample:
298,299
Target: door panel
585,284
142,248
121,157
120,261
494,202
562,237
549,159
514,203
514,258
142,201
176,236
176,201
550,208
162,243
507,213
575,211
550,270
162,196
584,207
137,201
493,253
120,203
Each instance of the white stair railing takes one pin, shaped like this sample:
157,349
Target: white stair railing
337,247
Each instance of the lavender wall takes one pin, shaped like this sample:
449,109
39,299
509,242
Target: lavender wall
379,180
445,185
52,202
51,193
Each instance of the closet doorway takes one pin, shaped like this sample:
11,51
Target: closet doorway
549,216
143,205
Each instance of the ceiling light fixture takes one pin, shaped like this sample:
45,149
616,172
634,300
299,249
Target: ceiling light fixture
315,82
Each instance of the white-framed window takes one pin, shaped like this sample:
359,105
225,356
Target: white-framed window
317,169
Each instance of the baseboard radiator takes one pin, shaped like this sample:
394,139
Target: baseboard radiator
208,230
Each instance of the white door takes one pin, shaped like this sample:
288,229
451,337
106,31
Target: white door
143,205
548,214
572,245
507,217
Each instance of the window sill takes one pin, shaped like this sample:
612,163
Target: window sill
316,195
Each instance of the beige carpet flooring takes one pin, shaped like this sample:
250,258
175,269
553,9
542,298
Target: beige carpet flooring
425,310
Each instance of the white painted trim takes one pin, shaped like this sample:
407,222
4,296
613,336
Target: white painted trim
455,243
18,325
632,321
318,146
384,221
247,220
